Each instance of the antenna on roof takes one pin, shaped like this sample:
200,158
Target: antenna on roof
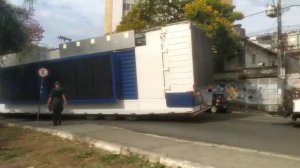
64,38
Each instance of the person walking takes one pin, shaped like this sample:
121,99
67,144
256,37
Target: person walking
56,102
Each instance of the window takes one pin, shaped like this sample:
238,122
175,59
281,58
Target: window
92,41
126,7
253,59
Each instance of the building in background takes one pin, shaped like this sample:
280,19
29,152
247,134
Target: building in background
115,10
291,41
253,78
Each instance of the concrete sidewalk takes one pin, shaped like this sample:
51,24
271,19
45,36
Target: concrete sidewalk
168,151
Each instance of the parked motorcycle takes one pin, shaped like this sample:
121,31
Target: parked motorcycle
219,104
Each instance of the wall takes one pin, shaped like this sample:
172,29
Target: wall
257,94
53,54
293,40
108,16
150,68
117,13
32,56
293,80
106,43
177,58
293,64
202,58
261,57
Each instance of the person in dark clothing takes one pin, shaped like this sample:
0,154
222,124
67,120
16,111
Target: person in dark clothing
56,102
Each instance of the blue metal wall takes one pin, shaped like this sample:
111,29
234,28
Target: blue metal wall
126,75
123,71
185,99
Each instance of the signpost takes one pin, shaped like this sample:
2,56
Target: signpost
42,72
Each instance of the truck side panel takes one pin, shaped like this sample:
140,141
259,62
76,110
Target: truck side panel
202,58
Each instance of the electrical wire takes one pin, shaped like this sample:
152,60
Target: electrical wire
287,28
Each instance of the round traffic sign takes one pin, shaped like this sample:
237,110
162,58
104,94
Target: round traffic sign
43,72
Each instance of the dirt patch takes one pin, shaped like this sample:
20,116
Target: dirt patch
23,148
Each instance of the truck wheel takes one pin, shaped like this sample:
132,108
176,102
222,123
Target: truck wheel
294,118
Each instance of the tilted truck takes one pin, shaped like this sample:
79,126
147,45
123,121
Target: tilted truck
296,109
160,71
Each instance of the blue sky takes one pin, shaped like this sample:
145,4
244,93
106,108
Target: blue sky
82,19
78,19
260,23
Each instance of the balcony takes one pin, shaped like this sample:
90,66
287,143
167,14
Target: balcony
259,72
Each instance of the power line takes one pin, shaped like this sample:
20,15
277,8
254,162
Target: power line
272,30
283,10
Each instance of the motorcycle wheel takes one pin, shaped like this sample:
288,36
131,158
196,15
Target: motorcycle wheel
214,109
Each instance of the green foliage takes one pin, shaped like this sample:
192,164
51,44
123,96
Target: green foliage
134,18
212,16
10,154
84,154
18,28
152,13
129,160
13,34
216,20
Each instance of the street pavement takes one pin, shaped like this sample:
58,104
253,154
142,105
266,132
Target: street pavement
254,131
213,140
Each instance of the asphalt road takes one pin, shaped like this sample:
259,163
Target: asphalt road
255,131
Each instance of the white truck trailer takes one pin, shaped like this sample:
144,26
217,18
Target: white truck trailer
160,71
296,109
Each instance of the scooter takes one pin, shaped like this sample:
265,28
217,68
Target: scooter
219,104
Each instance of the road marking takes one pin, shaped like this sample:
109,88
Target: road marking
221,146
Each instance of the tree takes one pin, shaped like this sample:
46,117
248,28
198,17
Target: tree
216,20
13,34
34,29
152,13
212,16
18,28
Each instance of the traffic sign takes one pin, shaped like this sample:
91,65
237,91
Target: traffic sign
43,72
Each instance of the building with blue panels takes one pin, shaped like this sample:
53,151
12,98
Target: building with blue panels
164,70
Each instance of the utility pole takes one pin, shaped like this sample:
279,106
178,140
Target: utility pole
276,11
280,51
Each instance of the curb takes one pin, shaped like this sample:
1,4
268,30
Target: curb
117,148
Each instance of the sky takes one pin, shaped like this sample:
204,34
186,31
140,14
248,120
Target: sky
260,23
83,19
75,19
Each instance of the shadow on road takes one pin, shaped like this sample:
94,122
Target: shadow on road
295,124
202,118
42,117
185,118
